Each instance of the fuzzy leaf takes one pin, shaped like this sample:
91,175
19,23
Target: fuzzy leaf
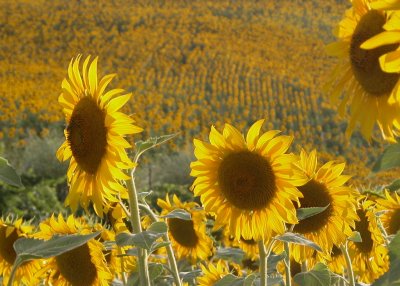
303,213
145,239
178,213
8,174
318,276
389,159
297,239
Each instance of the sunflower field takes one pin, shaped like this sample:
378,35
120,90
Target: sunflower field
196,142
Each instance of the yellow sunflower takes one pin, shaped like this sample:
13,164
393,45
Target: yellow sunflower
249,246
324,188
26,273
391,218
370,257
94,137
212,273
85,265
188,237
335,260
249,184
370,92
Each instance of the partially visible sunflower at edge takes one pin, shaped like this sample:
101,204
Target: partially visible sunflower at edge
391,217
84,265
248,183
188,237
26,273
370,257
212,273
326,187
370,92
94,137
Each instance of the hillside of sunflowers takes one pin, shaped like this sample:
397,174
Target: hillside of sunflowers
200,142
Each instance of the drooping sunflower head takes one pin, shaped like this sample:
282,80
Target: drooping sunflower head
249,184
212,273
84,265
10,231
325,188
249,246
188,237
370,91
370,256
94,136
391,217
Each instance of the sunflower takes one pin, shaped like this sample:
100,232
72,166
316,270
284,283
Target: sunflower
391,218
188,237
94,137
370,91
249,184
26,273
335,260
370,257
84,265
249,246
212,273
324,188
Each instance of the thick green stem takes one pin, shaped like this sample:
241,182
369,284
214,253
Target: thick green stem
287,264
263,263
170,252
137,228
350,273
12,274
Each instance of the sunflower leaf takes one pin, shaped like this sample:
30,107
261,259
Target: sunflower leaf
143,146
273,260
8,174
144,239
158,245
178,213
303,213
155,270
356,237
231,254
394,186
392,277
389,159
229,280
297,239
249,279
189,276
30,248
159,227
318,276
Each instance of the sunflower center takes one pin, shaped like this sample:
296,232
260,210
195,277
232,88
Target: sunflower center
365,63
315,195
247,180
183,231
77,267
87,134
336,251
295,267
7,251
366,236
394,225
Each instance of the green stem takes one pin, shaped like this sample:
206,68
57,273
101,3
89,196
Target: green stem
304,266
263,263
137,228
350,273
287,264
170,252
12,274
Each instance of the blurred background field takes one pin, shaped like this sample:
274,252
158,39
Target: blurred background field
189,64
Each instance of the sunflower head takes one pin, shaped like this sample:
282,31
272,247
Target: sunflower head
391,217
212,273
188,237
84,265
370,91
248,183
94,137
10,231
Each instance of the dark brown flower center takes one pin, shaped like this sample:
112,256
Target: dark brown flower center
315,195
365,63
295,267
87,134
7,251
394,224
366,236
77,267
183,232
336,251
247,180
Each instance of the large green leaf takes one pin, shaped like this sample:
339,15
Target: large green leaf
8,174
159,227
392,277
231,254
29,248
389,159
155,270
144,239
178,213
318,276
303,213
297,239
